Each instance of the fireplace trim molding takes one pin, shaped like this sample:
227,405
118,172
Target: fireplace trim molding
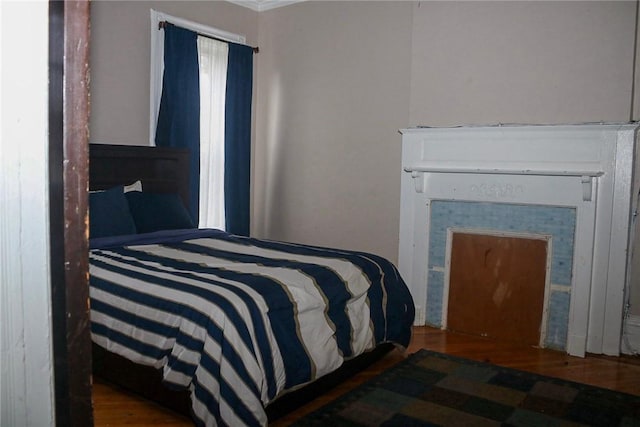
588,166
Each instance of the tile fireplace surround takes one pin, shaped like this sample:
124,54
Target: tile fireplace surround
572,185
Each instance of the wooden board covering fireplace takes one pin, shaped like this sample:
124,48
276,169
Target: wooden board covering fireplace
497,286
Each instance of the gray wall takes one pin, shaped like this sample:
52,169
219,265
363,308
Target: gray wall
333,90
120,55
336,80
521,62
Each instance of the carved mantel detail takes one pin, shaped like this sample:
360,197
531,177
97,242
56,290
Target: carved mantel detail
496,191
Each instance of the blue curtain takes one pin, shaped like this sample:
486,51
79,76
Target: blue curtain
238,139
179,116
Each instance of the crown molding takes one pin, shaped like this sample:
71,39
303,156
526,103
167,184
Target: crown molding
262,5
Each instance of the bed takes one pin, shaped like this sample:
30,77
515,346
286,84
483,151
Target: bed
236,326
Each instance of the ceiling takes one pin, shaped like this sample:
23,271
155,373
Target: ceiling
262,5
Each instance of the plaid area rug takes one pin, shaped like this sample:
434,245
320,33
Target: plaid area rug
434,389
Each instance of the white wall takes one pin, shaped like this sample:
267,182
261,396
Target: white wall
26,372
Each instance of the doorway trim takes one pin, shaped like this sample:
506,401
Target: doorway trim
68,211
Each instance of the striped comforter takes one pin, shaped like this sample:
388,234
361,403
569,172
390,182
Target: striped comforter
237,320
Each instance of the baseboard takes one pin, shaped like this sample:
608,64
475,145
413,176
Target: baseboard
631,337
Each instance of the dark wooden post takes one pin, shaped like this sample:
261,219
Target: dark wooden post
68,167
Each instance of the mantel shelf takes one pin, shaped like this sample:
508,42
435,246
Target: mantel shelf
504,171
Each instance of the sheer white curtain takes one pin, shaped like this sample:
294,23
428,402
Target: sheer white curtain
213,78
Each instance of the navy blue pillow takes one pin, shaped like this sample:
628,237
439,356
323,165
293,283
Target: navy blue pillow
158,211
109,213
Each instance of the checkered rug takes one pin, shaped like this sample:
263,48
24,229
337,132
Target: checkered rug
433,389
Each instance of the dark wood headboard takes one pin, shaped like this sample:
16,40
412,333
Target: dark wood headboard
161,169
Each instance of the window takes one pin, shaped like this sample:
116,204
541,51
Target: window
212,55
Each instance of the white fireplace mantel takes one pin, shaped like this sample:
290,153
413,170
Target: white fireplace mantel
587,167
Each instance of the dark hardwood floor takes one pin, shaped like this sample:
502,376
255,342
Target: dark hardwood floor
115,407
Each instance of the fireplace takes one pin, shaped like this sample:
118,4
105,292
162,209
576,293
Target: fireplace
571,186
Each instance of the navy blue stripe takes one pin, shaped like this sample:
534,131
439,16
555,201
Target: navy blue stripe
399,309
281,311
203,395
209,364
371,269
169,305
148,325
181,366
228,393
137,321
126,341
206,363
185,311
152,301
188,270
329,283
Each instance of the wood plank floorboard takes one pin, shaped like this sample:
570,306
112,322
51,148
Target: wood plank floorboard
115,407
